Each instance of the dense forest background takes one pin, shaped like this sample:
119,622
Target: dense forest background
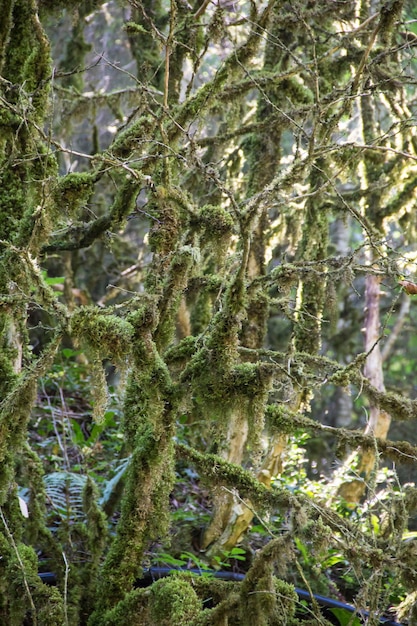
207,279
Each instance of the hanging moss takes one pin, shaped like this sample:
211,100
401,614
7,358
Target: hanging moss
390,13
172,292
145,46
76,49
18,403
96,539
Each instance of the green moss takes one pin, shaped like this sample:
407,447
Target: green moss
280,419
216,471
96,534
8,354
296,91
27,61
144,514
247,378
132,28
173,289
389,14
12,201
18,404
73,191
149,425
174,601
271,602
18,573
181,351
32,471
216,221
5,26
20,42
131,611
108,335
133,136
50,604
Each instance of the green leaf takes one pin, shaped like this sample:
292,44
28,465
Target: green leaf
113,482
345,617
68,352
77,433
55,280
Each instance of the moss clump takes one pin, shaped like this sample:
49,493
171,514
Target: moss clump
182,351
216,221
18,574
107,335
174,601
51,606
281,420
132,28
250,378
73,191
127,140
131,611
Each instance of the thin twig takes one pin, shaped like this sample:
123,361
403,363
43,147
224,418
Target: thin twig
201,10
402,314
67,569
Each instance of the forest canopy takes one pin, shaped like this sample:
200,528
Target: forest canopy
207,282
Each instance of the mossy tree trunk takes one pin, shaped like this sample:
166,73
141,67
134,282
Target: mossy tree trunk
378,420
27,168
